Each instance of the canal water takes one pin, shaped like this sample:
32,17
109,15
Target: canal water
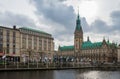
61,74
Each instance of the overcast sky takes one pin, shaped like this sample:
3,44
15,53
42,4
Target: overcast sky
100,18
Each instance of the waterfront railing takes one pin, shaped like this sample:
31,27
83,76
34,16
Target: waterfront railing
52,65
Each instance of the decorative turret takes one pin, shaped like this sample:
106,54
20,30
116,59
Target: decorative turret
88,39
108,40
78,34
59,48
104,39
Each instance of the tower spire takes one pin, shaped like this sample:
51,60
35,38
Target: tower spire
78,22
78,13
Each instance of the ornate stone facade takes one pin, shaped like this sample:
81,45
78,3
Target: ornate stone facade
87,51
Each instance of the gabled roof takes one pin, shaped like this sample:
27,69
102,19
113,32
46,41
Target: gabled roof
66,48
34,30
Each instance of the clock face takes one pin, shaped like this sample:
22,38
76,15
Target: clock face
80,40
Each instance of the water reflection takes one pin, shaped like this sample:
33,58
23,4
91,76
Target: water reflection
61,74
65,74
27,75
99,75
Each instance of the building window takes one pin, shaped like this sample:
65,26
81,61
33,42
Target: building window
13,50
13,45
14,40
40,44
14,37
1,32
45,45
7,36
29,42
7,50
14,34
35,42
1,48
7,45
24,38
8,32
49,45
1,36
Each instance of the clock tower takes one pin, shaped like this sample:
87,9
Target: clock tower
78,35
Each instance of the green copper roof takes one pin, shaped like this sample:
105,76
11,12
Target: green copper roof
78,23
88,45
78,27
34,30
66,48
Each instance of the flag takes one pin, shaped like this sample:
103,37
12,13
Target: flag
4,56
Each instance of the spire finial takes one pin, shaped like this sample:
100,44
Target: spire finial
78,11
108,40
88,38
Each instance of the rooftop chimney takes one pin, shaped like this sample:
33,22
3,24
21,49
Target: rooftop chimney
14,27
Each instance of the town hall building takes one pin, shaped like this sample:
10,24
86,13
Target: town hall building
103,51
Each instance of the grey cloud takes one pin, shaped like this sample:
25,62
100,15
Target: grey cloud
100,26
115,16
60,13
10,19
85,25
62,0
57,12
